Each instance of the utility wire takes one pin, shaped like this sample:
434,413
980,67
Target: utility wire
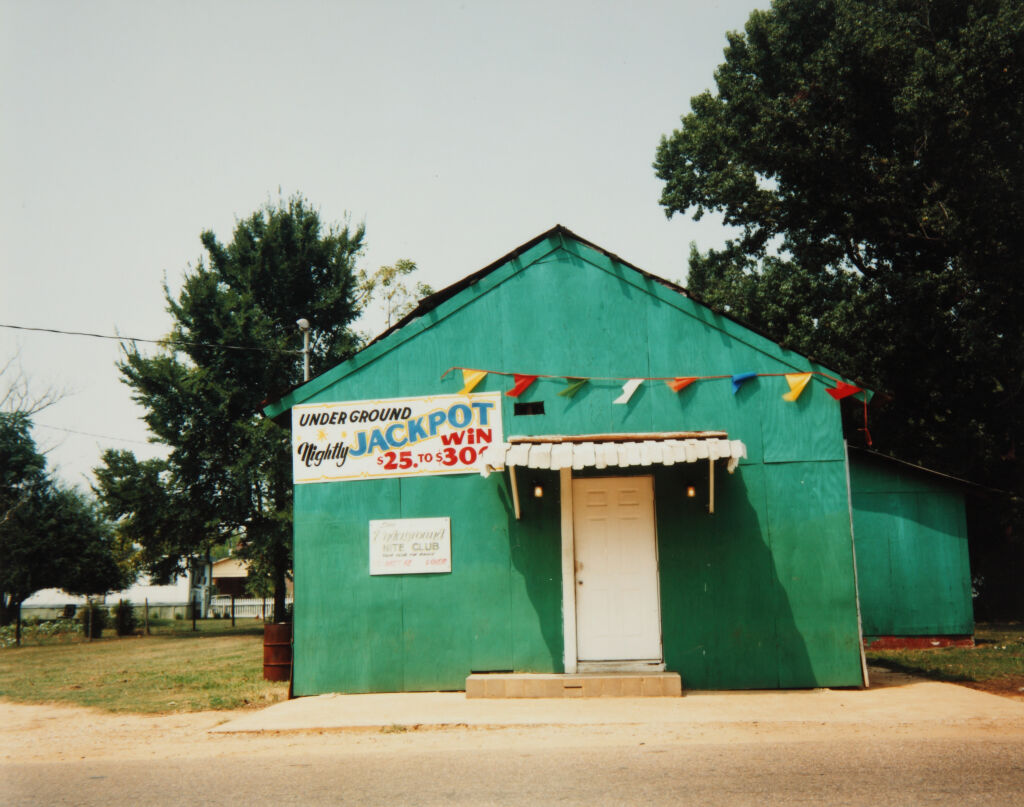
93,434
170,342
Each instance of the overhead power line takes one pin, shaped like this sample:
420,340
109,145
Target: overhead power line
169,342
93,434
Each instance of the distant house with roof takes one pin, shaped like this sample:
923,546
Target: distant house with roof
175,599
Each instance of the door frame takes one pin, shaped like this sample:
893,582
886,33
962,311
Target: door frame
570,659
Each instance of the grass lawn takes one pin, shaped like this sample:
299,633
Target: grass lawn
995,664
173,670
221,667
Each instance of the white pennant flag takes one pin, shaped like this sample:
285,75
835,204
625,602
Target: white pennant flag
628,389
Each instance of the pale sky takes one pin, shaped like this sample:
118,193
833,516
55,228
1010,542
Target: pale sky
455,130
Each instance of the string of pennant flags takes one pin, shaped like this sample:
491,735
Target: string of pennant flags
797,383
522,381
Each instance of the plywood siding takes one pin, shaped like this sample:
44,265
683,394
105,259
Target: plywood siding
759,595
498,609
911,534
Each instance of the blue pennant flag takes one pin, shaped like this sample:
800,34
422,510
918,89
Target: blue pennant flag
740,379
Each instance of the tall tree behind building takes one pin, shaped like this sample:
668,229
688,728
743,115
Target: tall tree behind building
234,343
872,155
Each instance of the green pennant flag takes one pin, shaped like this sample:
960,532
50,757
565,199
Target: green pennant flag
574,386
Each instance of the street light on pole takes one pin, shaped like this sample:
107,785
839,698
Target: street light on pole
304,327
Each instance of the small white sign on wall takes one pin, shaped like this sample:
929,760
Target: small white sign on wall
410,546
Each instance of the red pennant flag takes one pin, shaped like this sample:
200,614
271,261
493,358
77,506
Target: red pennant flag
522,384
677,384
843,390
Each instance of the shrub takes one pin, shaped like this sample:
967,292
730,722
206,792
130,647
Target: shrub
45,631
124,619
99,621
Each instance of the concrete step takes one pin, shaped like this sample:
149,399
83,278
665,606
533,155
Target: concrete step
577,685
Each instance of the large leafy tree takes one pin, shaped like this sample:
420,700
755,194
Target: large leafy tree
50,536
139,496
871,153
234,344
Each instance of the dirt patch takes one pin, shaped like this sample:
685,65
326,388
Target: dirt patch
897,705
1009,686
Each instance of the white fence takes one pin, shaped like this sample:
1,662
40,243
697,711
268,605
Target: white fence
244,607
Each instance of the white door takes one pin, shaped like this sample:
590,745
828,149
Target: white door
618,615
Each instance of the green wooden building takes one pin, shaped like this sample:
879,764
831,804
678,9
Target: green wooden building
910,528
563,463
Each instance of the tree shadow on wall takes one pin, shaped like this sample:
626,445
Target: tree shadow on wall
535,551
727,622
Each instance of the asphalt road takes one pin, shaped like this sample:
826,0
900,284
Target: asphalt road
860,770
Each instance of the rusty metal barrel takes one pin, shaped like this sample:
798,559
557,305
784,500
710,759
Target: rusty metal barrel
277,651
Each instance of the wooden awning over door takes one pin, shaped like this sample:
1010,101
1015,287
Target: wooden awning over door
554,452
576,452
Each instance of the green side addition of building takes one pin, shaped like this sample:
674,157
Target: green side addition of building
911,538
603,547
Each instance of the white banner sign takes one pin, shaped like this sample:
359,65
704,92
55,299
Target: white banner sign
410,546
440,434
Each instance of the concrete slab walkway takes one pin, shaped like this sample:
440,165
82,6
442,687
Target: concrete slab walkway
894,699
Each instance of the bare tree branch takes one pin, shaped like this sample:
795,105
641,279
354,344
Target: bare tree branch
16,393
389,291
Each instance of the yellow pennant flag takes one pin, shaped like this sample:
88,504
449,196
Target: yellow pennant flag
797,382
470,378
